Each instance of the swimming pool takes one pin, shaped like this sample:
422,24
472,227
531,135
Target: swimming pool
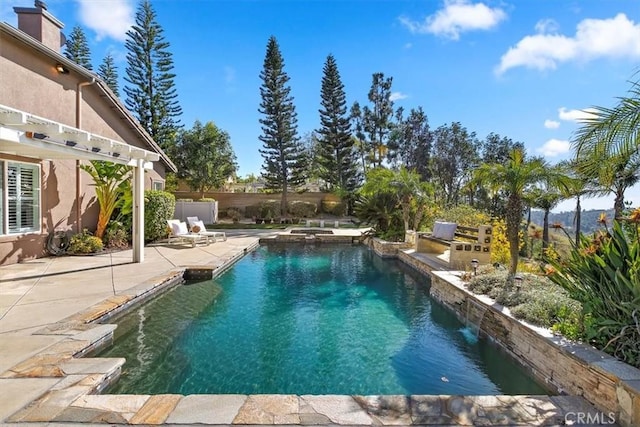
307,319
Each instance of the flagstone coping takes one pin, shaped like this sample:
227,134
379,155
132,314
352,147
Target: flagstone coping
69,388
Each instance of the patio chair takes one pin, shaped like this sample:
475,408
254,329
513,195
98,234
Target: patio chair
202,230
178,231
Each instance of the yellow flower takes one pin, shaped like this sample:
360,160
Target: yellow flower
602,219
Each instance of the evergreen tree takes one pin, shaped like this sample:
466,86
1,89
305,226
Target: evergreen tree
336,155
410,142
77,48
283,154
151,95
109,73
377,120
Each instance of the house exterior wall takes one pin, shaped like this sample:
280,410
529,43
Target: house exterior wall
30,82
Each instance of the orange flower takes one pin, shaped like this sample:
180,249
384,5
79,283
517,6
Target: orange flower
556,225
549,270
635,216
602,219
536,234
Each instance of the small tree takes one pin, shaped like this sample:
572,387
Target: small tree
205,157
107,178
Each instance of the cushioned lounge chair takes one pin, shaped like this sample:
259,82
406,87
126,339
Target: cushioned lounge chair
178,231
202,230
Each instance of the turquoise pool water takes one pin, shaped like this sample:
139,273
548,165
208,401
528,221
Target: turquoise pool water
308,320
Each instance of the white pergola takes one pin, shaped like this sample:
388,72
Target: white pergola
25,134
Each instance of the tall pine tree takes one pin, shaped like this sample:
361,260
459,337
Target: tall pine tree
77,48
336,154
283,154
151,95
109,73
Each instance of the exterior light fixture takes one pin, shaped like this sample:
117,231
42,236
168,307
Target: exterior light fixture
474,265
62,69
518,280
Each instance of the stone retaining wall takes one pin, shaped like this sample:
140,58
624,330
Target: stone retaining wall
564,367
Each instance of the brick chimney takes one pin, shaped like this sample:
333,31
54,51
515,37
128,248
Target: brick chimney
41,25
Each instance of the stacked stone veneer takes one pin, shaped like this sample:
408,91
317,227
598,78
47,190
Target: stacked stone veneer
565,367
386,249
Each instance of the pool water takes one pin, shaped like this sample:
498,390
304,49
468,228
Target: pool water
298,319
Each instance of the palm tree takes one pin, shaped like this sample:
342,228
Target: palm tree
607,147
514,177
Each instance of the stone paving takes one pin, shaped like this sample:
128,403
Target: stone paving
44,381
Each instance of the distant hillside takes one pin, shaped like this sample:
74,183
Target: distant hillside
589,220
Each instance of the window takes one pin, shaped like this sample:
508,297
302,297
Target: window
157,185
20,193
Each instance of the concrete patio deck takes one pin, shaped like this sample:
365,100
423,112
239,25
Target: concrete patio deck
40,294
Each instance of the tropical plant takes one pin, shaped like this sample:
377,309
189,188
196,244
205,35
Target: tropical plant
336,153
284,156
151,93
607,146
107,179
513,177
381,211
109,73
77,48
603,273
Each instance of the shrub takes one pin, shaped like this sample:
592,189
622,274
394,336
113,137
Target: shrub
270,209
461,215
302,209
206,199
536,300
234,214
84,243
603,273
116,236
184,200
333,207
252,211
159,207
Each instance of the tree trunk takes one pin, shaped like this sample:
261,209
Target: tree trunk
545,230
283,201
513,217
528,238
578,219
618,205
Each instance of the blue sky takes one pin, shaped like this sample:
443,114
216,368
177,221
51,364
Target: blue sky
522,69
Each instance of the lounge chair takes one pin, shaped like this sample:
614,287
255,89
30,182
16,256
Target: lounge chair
178,231
202,230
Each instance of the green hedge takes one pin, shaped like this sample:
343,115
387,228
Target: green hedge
333,207
302,209
159,206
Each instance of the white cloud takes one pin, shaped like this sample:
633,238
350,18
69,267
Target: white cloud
575,115
551,124
108,19
396,96
554,147
546,26
458,16
618,37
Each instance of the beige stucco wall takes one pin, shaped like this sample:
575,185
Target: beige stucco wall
30,82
